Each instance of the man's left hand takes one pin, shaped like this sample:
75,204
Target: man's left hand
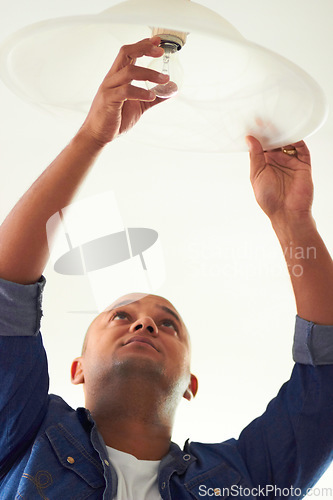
282,183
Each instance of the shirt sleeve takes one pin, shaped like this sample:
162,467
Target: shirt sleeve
291,444
313,344
23,369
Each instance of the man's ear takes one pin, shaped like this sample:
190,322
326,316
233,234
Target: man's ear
191,389
77,376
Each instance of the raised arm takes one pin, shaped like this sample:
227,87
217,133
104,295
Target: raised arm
290,445
118,105
283,187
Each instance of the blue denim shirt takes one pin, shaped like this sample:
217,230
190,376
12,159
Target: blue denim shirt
50,451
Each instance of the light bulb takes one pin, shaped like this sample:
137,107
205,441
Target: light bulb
167,64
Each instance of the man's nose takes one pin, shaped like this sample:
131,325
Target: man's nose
144,325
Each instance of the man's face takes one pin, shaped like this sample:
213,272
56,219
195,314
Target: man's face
139,335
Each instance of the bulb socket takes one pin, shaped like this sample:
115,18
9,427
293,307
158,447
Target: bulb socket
169,47
167,35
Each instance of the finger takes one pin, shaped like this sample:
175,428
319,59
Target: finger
129,93
150,104
257,157
301,152
130,73
129,53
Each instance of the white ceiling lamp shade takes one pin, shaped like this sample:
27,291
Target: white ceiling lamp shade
232,87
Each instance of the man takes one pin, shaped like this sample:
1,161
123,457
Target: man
135,364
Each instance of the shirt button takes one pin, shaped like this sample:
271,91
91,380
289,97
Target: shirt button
70,460
106,463
186,457
163,485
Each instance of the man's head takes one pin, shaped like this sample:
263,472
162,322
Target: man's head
139,340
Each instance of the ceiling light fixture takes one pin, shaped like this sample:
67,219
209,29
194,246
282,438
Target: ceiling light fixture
232,87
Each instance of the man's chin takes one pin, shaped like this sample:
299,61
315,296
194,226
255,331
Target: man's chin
136,364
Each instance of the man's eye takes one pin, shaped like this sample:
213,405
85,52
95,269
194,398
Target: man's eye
120,315
169,324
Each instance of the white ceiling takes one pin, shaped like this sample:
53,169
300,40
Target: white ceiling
225,271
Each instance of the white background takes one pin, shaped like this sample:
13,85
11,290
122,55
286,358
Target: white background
225,271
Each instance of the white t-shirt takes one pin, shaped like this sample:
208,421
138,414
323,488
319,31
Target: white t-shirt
137,479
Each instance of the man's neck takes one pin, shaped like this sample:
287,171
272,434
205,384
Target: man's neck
141,439
134,421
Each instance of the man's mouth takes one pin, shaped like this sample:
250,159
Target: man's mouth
142,340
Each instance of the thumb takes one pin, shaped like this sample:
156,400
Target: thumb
157,100
257,157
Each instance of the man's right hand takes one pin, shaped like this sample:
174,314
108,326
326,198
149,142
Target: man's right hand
118,104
